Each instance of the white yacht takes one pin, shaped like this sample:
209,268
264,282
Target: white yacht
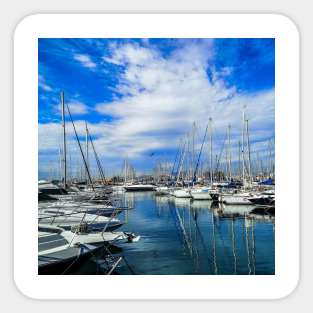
68,220
58,248
237,198
201,193
77,207
56,254
162,190
182,193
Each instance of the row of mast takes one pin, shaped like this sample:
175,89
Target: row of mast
85,157
243,154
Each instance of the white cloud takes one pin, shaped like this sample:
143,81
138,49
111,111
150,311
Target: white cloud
76,108
42,84
163,96
85,60
130,54
160,98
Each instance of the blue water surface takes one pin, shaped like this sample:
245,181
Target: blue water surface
181,236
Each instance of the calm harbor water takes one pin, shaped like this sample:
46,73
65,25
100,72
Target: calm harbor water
181,236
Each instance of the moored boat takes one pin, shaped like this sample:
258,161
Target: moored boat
162,190
182,193
139,187
236,198
201,193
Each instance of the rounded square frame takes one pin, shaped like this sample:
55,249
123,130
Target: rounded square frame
156,26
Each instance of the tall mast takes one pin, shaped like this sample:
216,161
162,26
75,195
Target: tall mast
125,171
96,157
211,151
182,164
193,145
188,159
243,146
271,167
249,153
60,163
86,151
199,156
229,154
80,147
239,158
64,140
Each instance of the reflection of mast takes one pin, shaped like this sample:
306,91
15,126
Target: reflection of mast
198,233
253,246
195,236
247,243
214,246
234,245
181,224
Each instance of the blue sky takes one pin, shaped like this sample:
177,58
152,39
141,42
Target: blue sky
140,96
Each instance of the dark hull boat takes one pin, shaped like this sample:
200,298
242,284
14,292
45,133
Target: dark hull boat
63,262
139,187
263,200
263,211
56,255
45,197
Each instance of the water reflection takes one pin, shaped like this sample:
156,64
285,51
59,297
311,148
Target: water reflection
181,236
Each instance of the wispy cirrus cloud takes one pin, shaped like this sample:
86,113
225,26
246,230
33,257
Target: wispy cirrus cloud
42,84
85,60
78,108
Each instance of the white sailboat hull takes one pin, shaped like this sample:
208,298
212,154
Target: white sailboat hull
182,193
162,191
201,196
235,199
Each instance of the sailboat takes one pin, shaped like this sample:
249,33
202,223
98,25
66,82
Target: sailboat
203,193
